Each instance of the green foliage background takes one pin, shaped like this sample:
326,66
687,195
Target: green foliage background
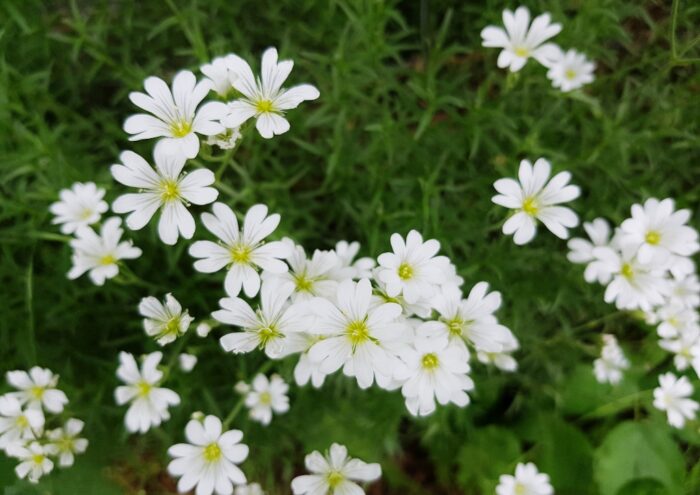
414,124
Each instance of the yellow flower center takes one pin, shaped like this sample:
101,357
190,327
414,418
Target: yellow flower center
334,479
569,74
66,444
519,489
530,206
303,284
405,271
169,190
268,333
38,458
430,361
240,253
455,327
181,128
22,422
212,452
627,271
357,332
265,398
143,388
652,237
37,392
85,214
521,51
264,106
172,327
107,259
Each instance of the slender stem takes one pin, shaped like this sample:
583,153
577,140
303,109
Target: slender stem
595,322
177,350
674,25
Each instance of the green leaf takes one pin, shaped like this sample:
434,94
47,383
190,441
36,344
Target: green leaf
633,451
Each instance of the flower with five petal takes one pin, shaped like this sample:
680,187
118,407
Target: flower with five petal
81,205
176,118
521,40
209,460
334,474
535,197
37,389
99,254
164,188
148,403
166,322
241,252
264,98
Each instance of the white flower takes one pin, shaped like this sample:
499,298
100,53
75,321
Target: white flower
412,269
34,460
502,360
534,198
581,250
219,73
149,403
305,369
527,481
347,266
358,336
176,118
164,321
81,205
251,489
266,328
434,370
422,307
227,140
66,441
672,396
37,389
264,98
674,319
520,40
634,285
186,362
16,424
570,70
612,362
470,319
164,188
685,346
241,252
334,474
99,254
203,329
310,277
208,461
266,396
658,231
685,291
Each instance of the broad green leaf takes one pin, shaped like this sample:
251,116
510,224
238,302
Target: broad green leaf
633,451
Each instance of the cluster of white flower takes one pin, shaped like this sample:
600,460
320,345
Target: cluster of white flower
402,324
520,41
646,265
99,254
25,417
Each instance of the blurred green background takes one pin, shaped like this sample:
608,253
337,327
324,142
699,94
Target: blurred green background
413,126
